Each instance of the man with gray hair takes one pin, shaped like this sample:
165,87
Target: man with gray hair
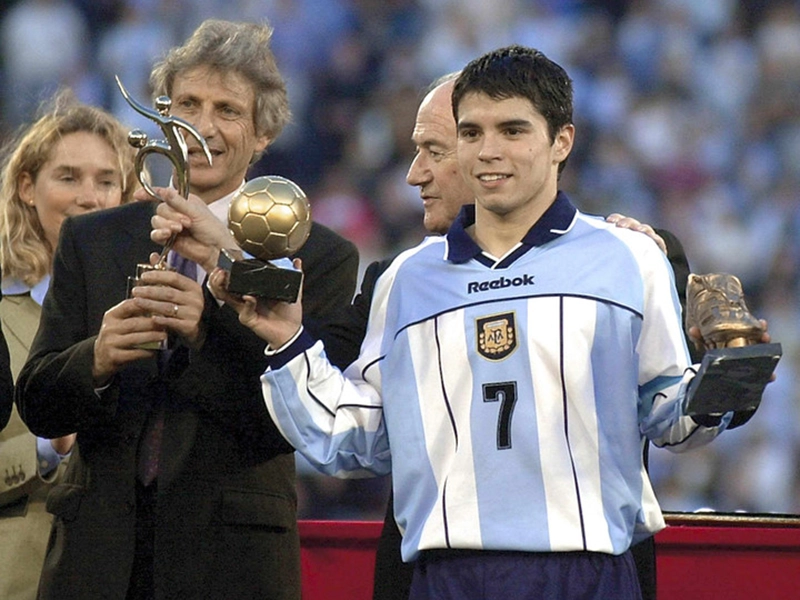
180,486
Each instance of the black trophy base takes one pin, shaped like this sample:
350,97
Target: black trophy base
732,379
253,277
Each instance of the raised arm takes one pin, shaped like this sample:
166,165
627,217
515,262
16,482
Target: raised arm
200,234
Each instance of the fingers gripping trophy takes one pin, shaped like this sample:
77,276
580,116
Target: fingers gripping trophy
737,366
270,218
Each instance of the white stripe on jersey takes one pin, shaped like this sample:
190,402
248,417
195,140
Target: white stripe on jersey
581,313
557,477
446,422
571,520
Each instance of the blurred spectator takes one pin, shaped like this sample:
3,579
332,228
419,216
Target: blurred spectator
128,49
44,43
103,13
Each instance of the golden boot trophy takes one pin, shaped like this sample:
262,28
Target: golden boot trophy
736,366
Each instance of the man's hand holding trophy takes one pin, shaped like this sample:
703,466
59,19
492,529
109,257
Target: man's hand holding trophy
269,218
736,366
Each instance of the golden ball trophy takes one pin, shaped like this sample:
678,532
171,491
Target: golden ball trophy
174,148
736,366
270,218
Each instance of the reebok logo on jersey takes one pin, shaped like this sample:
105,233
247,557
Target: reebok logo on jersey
496,284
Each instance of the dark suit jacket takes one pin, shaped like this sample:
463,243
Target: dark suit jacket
226,505
6,381
344,333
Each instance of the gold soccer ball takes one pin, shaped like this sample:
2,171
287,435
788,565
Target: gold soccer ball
270,217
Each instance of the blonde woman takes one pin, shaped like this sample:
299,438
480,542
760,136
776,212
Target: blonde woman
74,159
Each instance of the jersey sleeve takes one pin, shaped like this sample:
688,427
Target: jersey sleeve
664,370
335,421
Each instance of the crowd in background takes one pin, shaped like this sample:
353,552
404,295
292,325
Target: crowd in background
687,118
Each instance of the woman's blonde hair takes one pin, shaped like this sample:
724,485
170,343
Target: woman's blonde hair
25,253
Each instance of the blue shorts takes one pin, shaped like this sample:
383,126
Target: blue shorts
491,575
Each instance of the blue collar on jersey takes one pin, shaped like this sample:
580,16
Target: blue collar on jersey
555,221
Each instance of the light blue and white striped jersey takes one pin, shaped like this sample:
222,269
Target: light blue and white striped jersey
510,399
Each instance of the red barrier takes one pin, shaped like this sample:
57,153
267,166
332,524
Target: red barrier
338,558
707,557
700,557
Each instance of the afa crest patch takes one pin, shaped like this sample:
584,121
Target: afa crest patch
496,336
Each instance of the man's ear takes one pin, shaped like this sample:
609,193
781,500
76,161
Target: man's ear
262,141
562,145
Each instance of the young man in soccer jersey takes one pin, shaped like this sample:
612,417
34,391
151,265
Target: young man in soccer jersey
443,191
511,369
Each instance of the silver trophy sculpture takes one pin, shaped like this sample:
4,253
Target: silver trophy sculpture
173,147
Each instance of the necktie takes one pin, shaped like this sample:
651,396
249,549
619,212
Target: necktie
150,446
184,266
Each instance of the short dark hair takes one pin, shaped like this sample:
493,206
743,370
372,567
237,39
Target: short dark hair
517,71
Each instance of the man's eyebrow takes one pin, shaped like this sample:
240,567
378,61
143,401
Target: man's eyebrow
428,144
500,125
467,125
515,123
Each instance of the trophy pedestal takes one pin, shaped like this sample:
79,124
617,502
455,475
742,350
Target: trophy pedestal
260,278
732,379
137,280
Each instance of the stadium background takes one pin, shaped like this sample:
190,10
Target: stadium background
687,118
